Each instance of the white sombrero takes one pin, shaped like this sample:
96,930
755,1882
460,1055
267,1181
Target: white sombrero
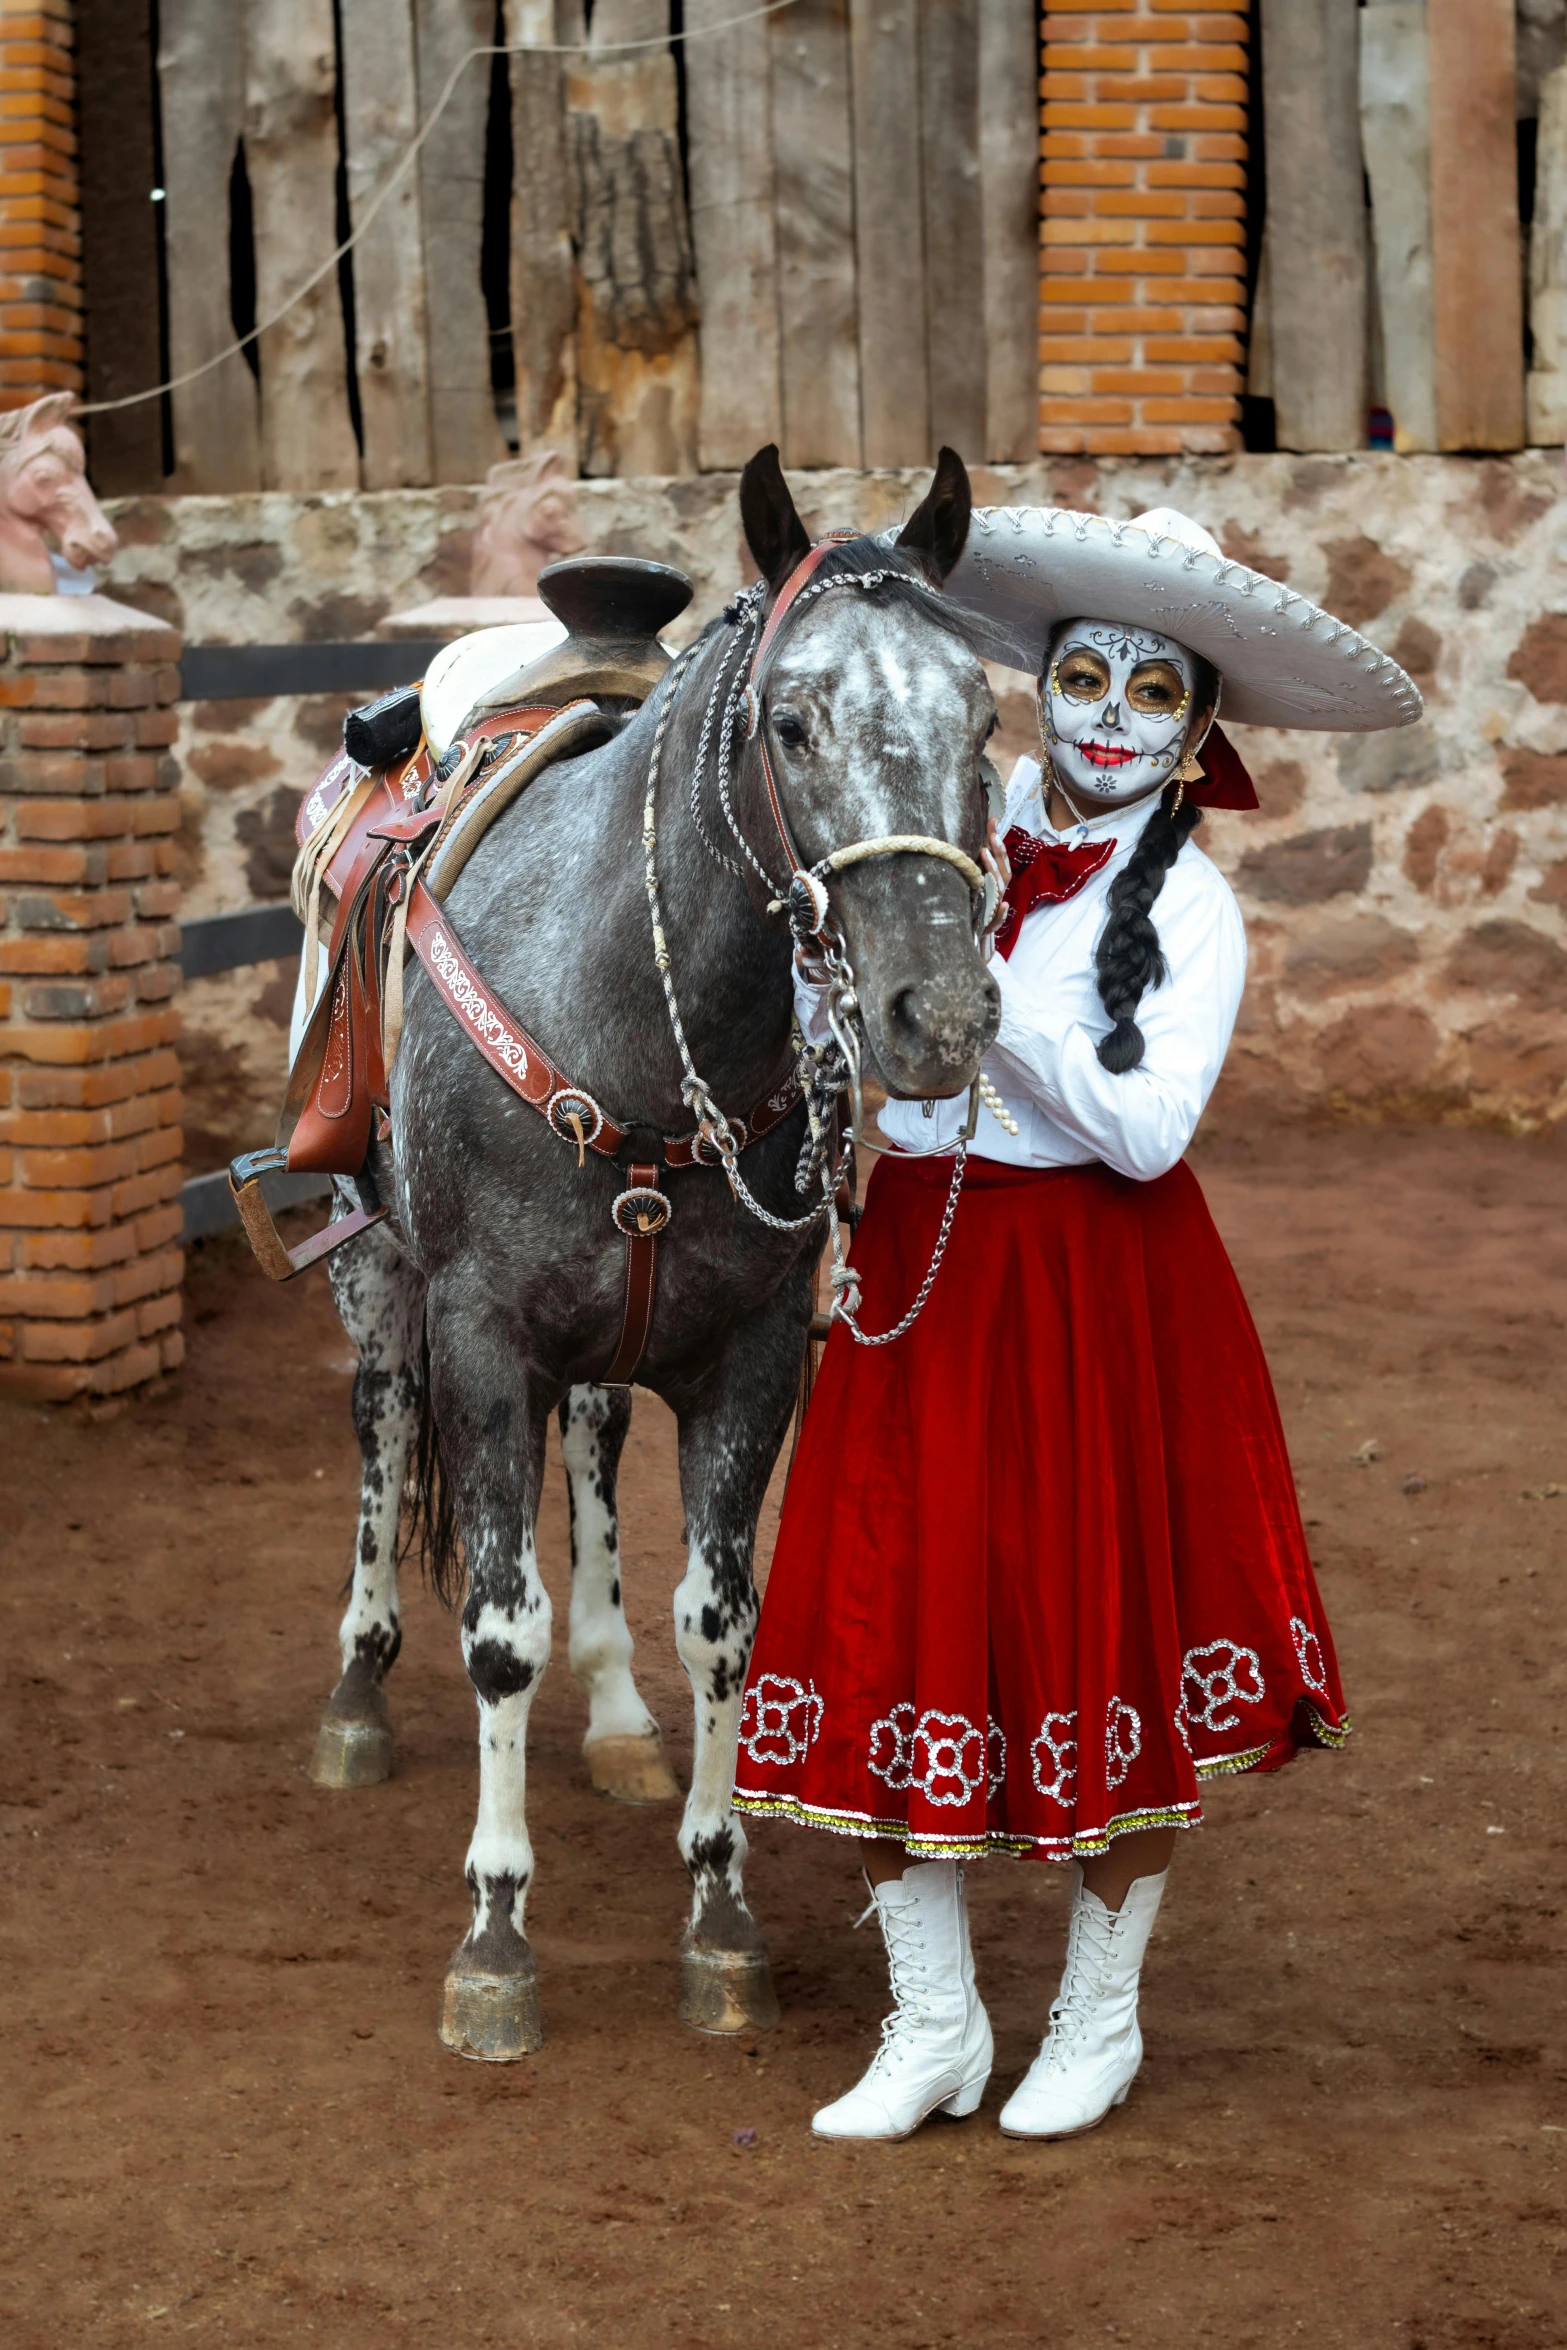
1284,661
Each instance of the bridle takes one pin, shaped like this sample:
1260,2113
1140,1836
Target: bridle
823,1072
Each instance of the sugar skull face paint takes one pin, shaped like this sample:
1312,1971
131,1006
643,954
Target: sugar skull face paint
1118,707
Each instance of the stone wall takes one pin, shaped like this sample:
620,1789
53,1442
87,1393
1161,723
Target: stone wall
1404,893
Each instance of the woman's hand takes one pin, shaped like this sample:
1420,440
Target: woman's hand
995,861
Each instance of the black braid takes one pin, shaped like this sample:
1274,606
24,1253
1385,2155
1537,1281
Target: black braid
1129,959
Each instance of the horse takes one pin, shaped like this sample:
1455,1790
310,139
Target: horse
43,487
638,907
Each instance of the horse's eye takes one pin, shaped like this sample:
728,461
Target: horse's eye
995,721
789,730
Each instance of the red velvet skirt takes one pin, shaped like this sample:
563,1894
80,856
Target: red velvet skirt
1041,1569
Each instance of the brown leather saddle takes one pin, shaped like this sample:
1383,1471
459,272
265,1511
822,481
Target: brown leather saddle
382,838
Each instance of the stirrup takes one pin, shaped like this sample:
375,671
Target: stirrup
277,1261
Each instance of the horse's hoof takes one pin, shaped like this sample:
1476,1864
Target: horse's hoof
351,1754
727,1991
633,1770
494,2018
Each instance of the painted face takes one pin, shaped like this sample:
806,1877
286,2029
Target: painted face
1118,709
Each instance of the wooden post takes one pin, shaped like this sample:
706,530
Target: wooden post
889,232
1009,193
307,437
201,90
818,294
543,267
465,437
730,157
1316,222
391,322
638,386
1474,225
954,225
1395,124
119,241
1547,391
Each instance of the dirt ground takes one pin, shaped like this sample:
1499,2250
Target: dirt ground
226,2115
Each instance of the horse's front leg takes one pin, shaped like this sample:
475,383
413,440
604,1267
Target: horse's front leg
729,1441
625,1754
492,1422
380,1300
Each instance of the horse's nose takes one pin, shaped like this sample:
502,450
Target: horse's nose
942,1024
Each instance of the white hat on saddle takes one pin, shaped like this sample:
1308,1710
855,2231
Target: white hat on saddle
1283,660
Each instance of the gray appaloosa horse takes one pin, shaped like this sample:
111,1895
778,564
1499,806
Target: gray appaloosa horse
495,1294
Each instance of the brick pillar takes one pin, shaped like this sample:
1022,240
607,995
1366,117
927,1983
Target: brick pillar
40,220
90,1262
1142,277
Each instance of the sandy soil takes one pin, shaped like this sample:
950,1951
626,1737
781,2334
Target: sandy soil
225,2111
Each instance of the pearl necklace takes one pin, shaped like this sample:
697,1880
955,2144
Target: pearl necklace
995,1105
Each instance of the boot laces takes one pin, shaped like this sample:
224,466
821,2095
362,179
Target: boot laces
1090,1948
908,1964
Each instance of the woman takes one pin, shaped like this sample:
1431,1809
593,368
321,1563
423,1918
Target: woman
1041,1569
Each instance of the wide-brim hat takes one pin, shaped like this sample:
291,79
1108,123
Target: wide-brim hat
1283,660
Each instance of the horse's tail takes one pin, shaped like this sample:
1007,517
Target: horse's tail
429,1518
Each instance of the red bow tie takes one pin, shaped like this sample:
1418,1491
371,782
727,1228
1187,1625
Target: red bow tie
1044,873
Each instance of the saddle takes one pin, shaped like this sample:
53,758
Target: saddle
423,774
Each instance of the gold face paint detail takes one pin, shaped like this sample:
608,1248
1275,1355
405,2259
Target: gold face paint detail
1157,689
1082,676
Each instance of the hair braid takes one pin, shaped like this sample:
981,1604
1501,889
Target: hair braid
1129,959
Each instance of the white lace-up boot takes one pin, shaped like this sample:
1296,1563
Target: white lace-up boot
1093,2048
935,2046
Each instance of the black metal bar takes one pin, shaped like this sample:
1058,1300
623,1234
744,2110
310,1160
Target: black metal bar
227,942
208,1203
228,673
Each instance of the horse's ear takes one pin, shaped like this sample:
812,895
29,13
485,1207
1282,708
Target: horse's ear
54,408
938,528
773,530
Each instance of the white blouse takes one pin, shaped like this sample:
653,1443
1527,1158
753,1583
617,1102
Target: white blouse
1068,1108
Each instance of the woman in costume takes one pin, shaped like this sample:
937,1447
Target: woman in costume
1041,1569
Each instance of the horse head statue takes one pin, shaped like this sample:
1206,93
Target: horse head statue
44,489
527,518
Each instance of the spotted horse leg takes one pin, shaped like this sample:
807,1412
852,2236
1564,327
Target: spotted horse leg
729,1440
380,1300
492,1418
625,1754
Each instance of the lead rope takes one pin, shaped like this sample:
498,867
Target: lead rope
817,1083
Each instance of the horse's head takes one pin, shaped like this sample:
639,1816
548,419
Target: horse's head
874,717
43,482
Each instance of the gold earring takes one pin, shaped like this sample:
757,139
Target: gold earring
1190,769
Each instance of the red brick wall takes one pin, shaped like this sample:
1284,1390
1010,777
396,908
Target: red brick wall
1142,277
40,224
90,1170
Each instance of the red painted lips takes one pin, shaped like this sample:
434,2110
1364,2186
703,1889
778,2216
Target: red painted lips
1106,754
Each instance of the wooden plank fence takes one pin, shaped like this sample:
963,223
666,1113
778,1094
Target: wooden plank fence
822,228
797,233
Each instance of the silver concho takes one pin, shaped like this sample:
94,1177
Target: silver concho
641,1213
569,1108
